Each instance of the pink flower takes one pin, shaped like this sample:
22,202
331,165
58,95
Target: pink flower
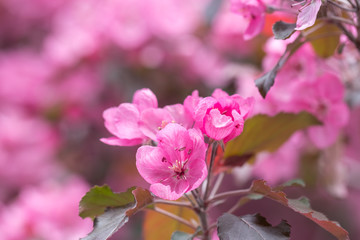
177,165
123,121
153,120
324,99
27,146
307,14
282,165
43,212
253,12
221,116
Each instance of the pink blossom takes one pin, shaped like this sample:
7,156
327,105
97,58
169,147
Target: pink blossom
44,212
222,116
283,164
177,165
307,14
27,146
123,121
323,98
253,12
153,120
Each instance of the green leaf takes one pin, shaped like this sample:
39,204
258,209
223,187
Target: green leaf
325,39
254,227
283,30
265,133
112,210
99,198
181,236
301,206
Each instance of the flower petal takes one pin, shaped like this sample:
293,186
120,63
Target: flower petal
171,189
152,120
145,98
121,142
151,164
122,122
218,126
307,15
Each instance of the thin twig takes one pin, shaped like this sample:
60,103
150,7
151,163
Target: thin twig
173,216
190,200
174,203
213,154
342,7
313,29
196,197
228,194
217,184
340,19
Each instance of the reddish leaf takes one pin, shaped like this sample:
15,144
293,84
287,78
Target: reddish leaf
301,206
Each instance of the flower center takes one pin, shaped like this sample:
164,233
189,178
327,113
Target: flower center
179,168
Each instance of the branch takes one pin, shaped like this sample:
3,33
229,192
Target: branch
213,154
217,184
228,194
173,216
342,7
174,203
340,19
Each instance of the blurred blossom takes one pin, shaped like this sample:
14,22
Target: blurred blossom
282,165
253,16
27,150
26,74
48,211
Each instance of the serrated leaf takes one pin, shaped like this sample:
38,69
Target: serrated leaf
178,235
301,206
324,44
283,30
265,133
254,227
153,220
111,217
99,198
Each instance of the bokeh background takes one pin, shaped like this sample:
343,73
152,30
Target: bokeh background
62,63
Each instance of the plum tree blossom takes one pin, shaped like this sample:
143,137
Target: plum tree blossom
253,12
123,121
177,165
221,116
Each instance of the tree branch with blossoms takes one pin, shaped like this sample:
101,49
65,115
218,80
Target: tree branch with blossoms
176,164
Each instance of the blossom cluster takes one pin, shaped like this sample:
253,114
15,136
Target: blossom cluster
63,62
175,163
